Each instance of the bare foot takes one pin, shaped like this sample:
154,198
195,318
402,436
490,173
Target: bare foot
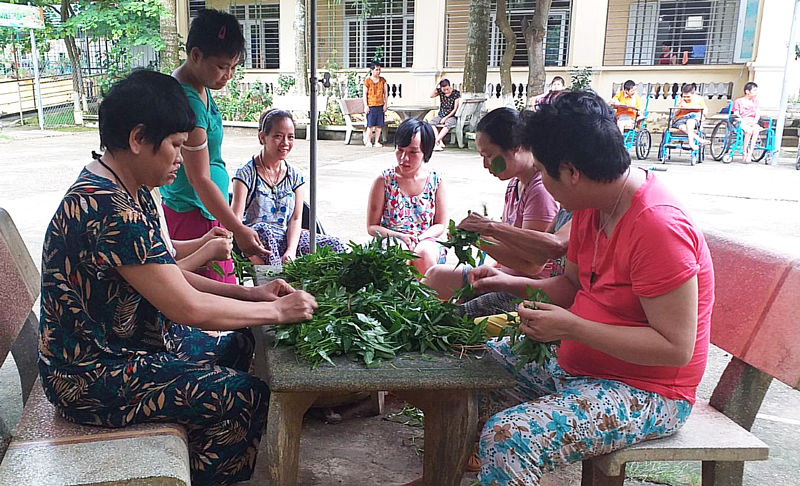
703,141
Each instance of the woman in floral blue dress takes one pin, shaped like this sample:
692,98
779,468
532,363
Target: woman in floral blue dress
268,194
111,290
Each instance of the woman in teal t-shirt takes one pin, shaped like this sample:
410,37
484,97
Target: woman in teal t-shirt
198,199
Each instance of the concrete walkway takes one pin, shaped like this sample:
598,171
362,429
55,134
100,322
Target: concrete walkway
759,203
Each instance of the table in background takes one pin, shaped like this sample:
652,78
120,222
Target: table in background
445,389
412,111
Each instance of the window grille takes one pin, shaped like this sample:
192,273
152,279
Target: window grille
556,41
677,32
260,25
195,6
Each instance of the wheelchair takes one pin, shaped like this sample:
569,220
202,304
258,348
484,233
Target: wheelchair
675,139
727,139
639,137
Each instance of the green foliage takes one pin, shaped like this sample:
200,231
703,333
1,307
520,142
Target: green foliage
285,83
371,307
528,350
332,116
238,104
346,82
581,79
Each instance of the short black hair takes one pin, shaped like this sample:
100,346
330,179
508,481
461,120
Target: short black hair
558,78
269,117
665,43
408,129
375,64
444,83
628,85
147,98
500,125
688,88
749,86
578,128
216,33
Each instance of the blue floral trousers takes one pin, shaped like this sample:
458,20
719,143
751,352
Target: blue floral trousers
552,418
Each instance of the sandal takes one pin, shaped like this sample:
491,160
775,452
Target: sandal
474,461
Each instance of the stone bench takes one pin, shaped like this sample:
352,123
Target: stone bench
469,112
45,449
756,319
355,106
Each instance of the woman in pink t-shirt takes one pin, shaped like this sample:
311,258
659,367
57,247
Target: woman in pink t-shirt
632,310
528,206
747,109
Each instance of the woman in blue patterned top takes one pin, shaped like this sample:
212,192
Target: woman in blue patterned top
268,194
111,292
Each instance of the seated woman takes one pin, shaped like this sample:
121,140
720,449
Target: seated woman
408,201
632,311
528,206
110,291
268,194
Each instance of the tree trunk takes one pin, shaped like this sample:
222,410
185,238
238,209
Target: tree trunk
74,55
169,58
477,57
508,55
534,30
300,48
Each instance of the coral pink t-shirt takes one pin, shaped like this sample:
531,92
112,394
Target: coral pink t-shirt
745,108
654,248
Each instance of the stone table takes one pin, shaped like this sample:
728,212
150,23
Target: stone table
444,386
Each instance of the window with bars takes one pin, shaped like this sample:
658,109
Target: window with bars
661,32
195,6
556,42
260,25
387,35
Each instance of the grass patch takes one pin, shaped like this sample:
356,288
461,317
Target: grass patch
672,473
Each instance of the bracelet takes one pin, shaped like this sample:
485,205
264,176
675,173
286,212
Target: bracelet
196,149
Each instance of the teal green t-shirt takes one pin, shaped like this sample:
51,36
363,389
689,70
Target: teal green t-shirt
180,196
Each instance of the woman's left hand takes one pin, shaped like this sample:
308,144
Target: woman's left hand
272,291
547,323
288,255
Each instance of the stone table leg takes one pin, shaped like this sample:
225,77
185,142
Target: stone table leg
451,420
284,425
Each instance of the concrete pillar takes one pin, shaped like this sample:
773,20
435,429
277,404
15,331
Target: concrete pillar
286,35
429,32
767,68
587,35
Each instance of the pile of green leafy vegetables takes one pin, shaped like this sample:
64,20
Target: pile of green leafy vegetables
372,306
526,348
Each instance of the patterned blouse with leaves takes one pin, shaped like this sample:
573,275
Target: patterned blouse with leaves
92,321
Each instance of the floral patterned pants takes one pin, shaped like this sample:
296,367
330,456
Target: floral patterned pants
275,242
552,418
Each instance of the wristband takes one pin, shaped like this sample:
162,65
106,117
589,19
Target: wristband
196,149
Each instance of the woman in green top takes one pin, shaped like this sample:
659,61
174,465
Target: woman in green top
198,199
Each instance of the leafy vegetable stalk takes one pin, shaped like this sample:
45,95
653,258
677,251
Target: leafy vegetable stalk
525,348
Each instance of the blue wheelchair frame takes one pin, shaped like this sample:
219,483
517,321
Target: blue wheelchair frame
639,136
730,134
674,139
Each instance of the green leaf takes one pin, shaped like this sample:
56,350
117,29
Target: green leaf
498,165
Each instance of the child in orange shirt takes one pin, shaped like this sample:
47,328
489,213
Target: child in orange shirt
376,96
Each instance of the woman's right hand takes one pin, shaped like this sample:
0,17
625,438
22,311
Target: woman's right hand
295,307
249,242
218,249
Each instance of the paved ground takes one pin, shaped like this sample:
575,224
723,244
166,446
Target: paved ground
757,202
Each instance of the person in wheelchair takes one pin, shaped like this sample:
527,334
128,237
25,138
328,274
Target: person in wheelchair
628,106
691,109
747,110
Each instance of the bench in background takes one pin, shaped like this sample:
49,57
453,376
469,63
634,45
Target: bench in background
355,106
469,112
756,319
46,449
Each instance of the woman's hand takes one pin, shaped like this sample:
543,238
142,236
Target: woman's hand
272,291
477,224
546,323
217,249
216,232
257,260
408,240
288,255
249,242
295,307
486,278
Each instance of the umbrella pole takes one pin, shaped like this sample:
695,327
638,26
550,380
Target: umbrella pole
313,124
